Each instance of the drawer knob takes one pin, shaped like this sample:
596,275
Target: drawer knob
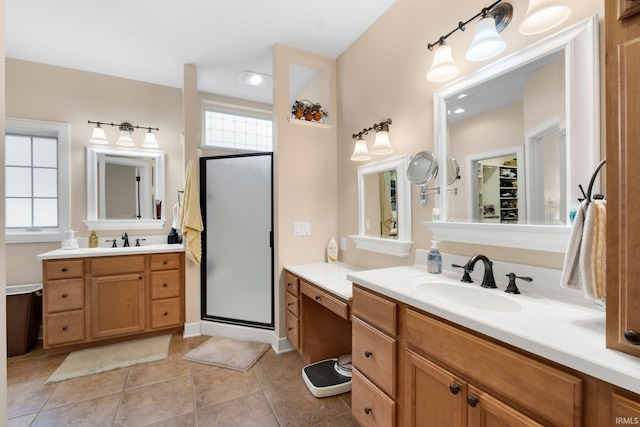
632,337
164,285
165,262
367,354
367,410
472,401
64,328
64,295
289,329
317,297
166,313
454,388
289,284
289,304
64,269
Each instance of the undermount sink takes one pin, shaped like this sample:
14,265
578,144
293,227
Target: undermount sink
477,298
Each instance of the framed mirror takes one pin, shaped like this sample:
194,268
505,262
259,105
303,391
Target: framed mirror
125,189
526,128
384,207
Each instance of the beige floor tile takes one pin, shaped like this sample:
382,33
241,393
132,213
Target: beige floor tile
180,346
162,370
156,402
275,369
23,421
27,397
24,369
343,420
90,413
215,385
248,411
86,388
186,420
295,406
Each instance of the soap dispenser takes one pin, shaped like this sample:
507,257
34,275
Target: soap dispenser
332,251
434,259
93,240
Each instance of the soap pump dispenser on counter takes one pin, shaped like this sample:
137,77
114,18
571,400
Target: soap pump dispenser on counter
434,259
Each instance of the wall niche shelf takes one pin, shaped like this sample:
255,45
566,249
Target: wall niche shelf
310,123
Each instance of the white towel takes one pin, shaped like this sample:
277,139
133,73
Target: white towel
190,216
571,269
593,251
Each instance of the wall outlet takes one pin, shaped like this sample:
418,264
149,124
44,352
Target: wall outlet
301,228
343,243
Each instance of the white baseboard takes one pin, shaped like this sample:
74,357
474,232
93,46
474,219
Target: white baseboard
279,345
191,330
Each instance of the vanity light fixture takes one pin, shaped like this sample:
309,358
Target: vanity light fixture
543,15
486,44
381,145
126,129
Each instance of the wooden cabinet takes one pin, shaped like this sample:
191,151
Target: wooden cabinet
293,321
105,299
374,384
63,302
622,35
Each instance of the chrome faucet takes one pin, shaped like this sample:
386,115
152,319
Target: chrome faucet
125,237
488,281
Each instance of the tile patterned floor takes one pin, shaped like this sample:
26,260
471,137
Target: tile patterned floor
171,393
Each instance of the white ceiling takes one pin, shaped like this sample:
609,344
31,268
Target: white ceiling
151,40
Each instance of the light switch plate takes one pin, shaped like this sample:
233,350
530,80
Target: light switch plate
301,228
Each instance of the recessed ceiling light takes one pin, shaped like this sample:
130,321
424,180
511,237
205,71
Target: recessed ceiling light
254,79
462,95
459,110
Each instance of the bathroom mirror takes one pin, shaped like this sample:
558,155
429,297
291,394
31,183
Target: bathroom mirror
125,189
453,170
534,118
384,207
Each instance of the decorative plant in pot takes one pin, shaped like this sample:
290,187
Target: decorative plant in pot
308,110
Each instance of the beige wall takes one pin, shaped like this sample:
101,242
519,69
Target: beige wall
3,264
43,92
395,56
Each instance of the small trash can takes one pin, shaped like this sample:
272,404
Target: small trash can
24,313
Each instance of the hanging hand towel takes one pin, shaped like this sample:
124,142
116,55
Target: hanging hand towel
190,216
570,271
593,253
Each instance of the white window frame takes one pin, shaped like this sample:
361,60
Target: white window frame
61,131
220,107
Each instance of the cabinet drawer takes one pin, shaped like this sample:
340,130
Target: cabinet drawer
165,284
374,354
64,328
165,312
375,310
293,329
549,392
369,405
293,284
165,261
107,266
63,269
338,307
64,295
292,304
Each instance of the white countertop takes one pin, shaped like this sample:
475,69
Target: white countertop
331,277
570,334
102,251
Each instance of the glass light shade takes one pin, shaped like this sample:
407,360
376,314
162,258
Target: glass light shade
382,145
150,140
125,139
486,43
360,151
98,136
443,67
543,15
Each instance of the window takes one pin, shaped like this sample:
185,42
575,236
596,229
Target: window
36,181
237,129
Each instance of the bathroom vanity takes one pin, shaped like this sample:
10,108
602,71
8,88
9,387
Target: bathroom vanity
318,302
100,296
430,350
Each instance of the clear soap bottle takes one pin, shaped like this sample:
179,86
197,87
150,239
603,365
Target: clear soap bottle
434,259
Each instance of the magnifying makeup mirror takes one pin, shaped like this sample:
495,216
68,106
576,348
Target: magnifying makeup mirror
422,169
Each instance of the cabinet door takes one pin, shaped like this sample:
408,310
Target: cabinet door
117,305
624,411
623,174
487,411
434,397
